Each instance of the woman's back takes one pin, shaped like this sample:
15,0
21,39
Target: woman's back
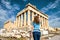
36,27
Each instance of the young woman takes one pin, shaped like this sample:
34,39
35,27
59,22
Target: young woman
36,28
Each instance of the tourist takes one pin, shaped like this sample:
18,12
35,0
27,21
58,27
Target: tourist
36,28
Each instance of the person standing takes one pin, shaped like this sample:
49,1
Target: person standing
36,28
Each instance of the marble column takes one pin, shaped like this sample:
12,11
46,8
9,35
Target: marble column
24,18
32,16
16,22
21,20
47,23
28,17
41,21
44,23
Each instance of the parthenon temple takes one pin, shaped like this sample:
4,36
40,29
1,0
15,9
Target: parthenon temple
26,17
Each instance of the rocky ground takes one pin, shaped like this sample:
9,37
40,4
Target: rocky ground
47,37
56,37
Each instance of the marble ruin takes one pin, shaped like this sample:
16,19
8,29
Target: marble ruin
26,17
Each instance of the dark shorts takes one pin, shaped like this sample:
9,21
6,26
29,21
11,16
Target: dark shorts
36,35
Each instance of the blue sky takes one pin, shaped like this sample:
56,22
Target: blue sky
10,8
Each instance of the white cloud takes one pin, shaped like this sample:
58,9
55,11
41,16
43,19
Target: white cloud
3,14
6,3
54,21
16,6
50,6
53,18
11,8
8,13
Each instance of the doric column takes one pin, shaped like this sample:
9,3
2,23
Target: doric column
47,22
40,20
24,18
18,21
32,16
28,17
21,20
42,23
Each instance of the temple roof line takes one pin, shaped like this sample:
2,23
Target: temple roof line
31,5
34,7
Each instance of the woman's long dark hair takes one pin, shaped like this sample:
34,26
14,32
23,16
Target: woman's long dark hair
36,19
